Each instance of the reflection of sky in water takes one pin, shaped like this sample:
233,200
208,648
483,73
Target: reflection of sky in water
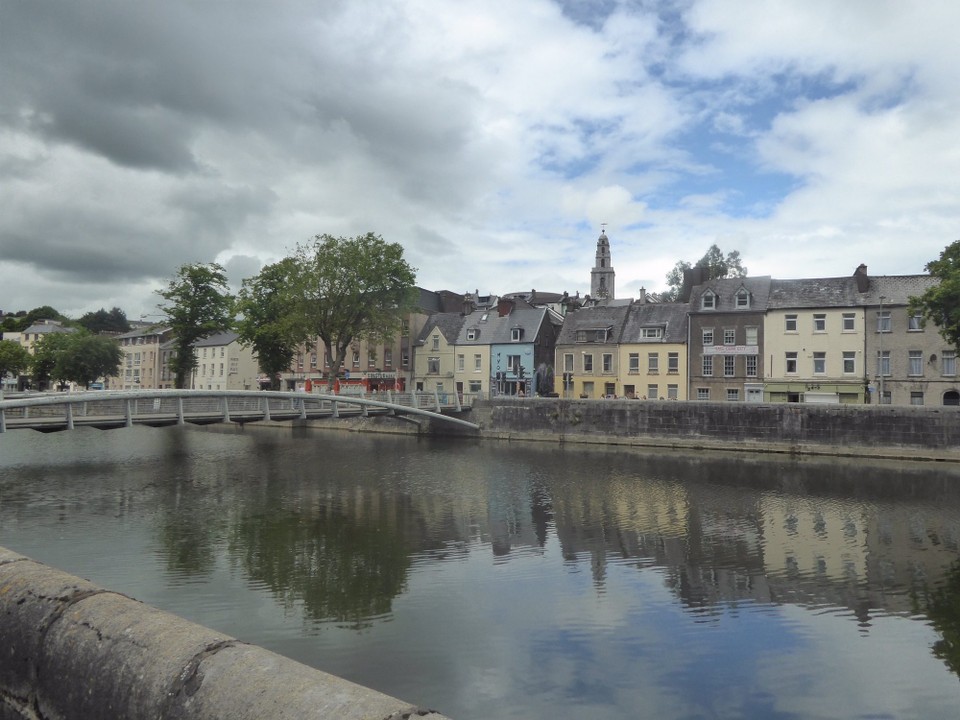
535,582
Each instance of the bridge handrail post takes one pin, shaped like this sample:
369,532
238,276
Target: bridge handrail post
303,409
336,408
266,408
456,395
129,413
69,416
436,397
226,409
3,421
364,408
180,418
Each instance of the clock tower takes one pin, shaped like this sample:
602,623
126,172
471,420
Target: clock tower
602,276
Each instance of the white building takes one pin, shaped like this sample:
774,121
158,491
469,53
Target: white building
223,363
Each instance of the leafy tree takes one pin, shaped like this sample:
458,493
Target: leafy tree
86,357
941,303
351,289
14,358
46,363
102,321
718,266
198,306
269,321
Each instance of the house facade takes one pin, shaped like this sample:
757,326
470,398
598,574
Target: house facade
587,355
223,363
435,357
653,352
143,363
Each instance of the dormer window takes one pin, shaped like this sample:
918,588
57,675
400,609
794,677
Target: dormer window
742,298
473,333
708,301
651,333
515,334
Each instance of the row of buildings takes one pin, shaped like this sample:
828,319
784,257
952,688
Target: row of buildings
845,339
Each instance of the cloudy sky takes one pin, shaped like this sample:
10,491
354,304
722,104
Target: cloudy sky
491,138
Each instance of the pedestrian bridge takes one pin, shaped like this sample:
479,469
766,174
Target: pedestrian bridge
107,409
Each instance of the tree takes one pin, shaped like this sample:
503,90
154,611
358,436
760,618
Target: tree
85,357
941,302
47,352
268,320
103,321
717,265
199,305
14,358
351,289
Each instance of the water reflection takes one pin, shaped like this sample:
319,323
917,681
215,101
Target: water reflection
524,581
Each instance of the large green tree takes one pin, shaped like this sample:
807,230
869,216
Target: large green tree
14,358
269,320
102,320
717,264
85,358
941,302
198,305
46,363
351,289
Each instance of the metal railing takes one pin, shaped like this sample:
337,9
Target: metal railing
123,408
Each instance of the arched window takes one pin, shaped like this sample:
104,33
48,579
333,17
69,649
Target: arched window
951,397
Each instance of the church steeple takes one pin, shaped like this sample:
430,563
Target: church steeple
602,276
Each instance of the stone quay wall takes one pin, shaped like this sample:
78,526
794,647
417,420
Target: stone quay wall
852,430
69,649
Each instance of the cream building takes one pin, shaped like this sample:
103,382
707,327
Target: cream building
223,363
142,365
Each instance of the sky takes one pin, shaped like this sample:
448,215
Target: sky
492,139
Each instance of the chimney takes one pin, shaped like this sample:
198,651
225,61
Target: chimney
863,280
643,296
504,306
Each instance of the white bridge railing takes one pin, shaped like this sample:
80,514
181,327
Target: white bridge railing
119,408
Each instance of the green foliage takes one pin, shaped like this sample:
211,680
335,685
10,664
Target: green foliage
22,320
718,266
198,306
351,288
941,303
114,321
14,359
47,352
75,357
268,320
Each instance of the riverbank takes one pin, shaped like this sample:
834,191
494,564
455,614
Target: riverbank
878,432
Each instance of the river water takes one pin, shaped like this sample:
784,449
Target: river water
504,580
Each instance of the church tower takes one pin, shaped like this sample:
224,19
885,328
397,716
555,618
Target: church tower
602,276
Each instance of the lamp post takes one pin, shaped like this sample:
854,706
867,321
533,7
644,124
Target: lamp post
880,350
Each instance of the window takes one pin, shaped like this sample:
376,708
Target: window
673,392
703,393
436,342
915,324
516,333
371,358
476,386
916,362
405,358
819,363
729,365
460,363
653,391
916,398
708,301
849,322
387,357
653,362
607,362
708,336
568,362
406,328
751,365
204,353
673,362
883,362
819,322
356,358
729,336
587,362
883,321
790,323
751,333
651,333
733,394
849,362
313,360
707,365
221,369
477,362
472,334
886,398
791,358
949,358
742,298
633,363
433,365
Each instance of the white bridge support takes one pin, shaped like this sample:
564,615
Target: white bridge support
124,408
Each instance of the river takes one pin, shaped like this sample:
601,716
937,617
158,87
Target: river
491,579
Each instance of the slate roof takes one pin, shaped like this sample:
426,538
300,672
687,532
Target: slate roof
726,288
45,328
497,330
144,331
223,338
672,317
842,292
449,325
594,318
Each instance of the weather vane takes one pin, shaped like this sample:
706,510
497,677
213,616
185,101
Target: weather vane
603,227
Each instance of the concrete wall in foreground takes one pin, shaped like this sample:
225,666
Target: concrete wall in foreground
876,431
69,649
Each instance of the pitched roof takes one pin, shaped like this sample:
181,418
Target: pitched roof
843,291
726,289
223,338
671,317
498,329
448,323
597,317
